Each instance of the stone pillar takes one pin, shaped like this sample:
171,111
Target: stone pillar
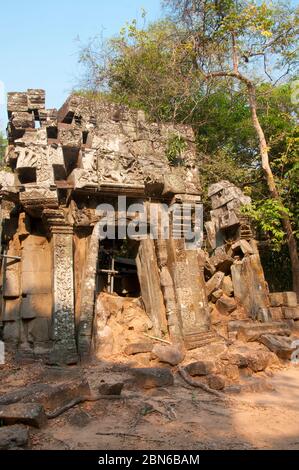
85,331
149,279
63,319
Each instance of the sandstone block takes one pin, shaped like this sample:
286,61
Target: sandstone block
227,286
276,313
31,414
39,330
49,396
111,389
280,345
276,299
152,377
13,437
226,305
38,305
216,382
214,283
290,299
169,354
200,368
291,313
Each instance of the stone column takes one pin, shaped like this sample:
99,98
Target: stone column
85,332
63,318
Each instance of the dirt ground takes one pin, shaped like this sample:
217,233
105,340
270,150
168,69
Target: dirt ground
173,418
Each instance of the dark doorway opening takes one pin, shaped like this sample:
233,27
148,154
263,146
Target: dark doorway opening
117,270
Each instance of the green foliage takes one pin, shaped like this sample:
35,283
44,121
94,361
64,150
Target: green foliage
3,144
267,213
176,145
161,69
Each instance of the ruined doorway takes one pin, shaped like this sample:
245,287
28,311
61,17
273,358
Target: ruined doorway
117,269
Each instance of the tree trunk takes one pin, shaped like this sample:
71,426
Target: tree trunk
286,223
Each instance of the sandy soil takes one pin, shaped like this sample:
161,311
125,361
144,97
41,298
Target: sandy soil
179,417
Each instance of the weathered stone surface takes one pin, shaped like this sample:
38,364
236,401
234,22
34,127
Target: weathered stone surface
138,348
250,287
200,368
280,345
25,413
14,437
252,332
276,299
216,295
39,330
169,354
111,389
290,299
49,396
36,305
276,313
216,382
243,246
214,283
12,310
152,377
222,261
226,305
291,313
227,286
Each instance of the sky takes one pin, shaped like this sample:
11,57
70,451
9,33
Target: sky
38,46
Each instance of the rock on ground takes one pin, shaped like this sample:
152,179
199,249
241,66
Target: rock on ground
200,368
31,414
13,437
170,354
148,377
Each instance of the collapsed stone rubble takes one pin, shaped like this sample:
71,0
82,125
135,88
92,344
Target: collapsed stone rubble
68,296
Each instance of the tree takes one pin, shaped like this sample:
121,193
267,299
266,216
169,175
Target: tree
207,65
229,40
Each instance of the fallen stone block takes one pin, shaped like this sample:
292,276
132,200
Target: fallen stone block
216,382
152,377
282,346
227,286
222,262
243,246
216,295
226,305
253,331
256,359
200,368
51,397
291,313
31,414
111,389
13,437
214,283
169,354
138,348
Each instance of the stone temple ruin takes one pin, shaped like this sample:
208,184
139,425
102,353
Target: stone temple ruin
67,296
